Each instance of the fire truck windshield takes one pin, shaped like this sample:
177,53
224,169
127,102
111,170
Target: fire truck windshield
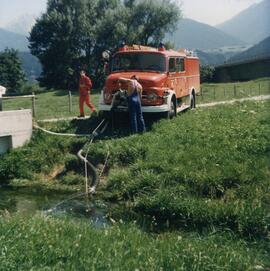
139,62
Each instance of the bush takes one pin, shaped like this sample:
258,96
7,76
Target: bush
29,88
71,178
207,73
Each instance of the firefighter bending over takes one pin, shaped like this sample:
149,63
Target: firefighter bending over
134,104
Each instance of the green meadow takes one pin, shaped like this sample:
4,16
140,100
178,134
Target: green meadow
227,91
205,169
191,193
44,243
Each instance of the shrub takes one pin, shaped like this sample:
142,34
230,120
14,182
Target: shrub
71,178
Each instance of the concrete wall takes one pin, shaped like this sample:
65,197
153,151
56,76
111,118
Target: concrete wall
15,128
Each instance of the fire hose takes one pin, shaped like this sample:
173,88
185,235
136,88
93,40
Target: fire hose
88,166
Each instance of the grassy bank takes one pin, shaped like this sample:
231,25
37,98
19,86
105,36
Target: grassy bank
40,156
48,162
206,168
43,243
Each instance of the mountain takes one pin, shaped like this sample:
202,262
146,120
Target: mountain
260,50
30,65
194,35
218,56
22,25
251,25
211,59
12,40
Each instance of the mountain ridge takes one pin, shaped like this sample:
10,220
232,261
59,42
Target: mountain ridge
252,25
13,40
260,50
195,35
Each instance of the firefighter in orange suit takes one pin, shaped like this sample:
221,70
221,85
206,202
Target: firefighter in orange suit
85,85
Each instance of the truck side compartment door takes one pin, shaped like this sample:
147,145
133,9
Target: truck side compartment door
172,78
181,78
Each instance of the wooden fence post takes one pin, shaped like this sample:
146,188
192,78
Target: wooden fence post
33,104
69,102
234,90
259,88
224,91
202,92
214,93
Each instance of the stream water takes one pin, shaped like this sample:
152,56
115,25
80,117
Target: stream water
30,201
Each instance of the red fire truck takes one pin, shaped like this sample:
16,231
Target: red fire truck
170,79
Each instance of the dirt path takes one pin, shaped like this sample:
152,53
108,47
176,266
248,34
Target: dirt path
255,98
56,119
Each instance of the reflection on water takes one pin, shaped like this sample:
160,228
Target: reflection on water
29,201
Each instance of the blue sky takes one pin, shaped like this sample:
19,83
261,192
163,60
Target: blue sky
207,11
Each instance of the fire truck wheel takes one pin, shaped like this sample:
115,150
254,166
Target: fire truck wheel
192,101
172,112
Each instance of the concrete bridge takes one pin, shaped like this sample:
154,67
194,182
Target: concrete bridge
15,128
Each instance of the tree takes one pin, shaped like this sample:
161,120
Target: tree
207,73
11,73
73,33
150,20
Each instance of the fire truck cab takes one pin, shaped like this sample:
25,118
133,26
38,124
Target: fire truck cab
170,79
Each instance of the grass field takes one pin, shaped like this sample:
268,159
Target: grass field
206,168
192,194
55,104
229,91
44,243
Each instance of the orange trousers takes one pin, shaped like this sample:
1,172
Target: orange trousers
85,99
